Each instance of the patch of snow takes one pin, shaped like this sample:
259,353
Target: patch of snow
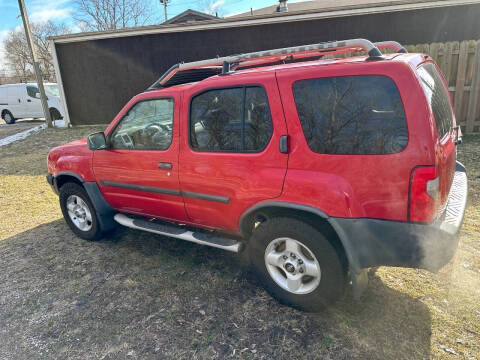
21,135
59,123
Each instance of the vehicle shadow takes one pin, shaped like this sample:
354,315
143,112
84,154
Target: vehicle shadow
138,295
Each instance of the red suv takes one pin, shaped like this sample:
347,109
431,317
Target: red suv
320,168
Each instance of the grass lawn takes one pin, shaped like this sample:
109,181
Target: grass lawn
137,295
20,125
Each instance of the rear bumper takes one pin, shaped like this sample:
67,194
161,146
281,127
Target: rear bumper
371,242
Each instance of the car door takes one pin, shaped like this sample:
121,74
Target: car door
15,104
33,102
230,157
138,173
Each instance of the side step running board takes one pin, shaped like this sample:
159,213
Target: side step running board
202,238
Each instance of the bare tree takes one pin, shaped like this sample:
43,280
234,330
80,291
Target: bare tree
98,15
18,55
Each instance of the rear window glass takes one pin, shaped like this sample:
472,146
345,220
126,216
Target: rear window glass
351,115
437,97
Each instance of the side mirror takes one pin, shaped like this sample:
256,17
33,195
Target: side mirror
97,141
37,95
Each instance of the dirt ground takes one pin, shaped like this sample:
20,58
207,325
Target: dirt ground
137,295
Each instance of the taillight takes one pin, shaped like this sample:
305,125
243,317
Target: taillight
424,194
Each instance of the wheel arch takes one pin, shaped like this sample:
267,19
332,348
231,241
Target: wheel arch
64,177
102,207
311,215
55,111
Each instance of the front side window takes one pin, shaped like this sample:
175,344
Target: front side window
230,120
148,125
351,115
32,91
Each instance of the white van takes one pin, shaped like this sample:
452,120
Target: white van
19,101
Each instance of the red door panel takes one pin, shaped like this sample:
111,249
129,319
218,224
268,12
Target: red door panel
218,186
132,180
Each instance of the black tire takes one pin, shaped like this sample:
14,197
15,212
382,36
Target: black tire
69,189
333,274
54,114
8,117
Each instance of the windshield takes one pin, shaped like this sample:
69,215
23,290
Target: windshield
52,90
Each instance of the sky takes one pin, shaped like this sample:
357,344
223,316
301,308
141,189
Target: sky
61,11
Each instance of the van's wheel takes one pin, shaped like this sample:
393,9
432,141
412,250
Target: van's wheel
79,212
54,114
297,264
8,117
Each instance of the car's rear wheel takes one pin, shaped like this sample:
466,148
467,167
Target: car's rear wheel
297,264
79,212
8,117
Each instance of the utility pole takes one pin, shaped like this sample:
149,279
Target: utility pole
164,2
36,67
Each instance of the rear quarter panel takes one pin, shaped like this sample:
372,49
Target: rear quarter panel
358,186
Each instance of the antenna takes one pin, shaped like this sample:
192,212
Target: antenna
164,2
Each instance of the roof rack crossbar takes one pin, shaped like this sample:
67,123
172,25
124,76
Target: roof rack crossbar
354,44
391,45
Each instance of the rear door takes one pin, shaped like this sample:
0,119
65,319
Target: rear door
436,92
3,97
229,156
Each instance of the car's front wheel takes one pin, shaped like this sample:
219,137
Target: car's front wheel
79,212
297,264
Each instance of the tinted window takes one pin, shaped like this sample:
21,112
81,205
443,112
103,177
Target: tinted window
32,90
351,115
230,120
437,97
147,125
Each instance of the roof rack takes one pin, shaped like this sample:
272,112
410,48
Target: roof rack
198,70
391,45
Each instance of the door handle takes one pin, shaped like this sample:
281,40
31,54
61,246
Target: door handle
164,165
29,100
19,100
284,144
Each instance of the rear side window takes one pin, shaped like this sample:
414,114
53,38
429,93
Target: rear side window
351,115
437,97
230,120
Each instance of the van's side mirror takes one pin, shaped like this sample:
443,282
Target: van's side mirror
37,95
97,141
